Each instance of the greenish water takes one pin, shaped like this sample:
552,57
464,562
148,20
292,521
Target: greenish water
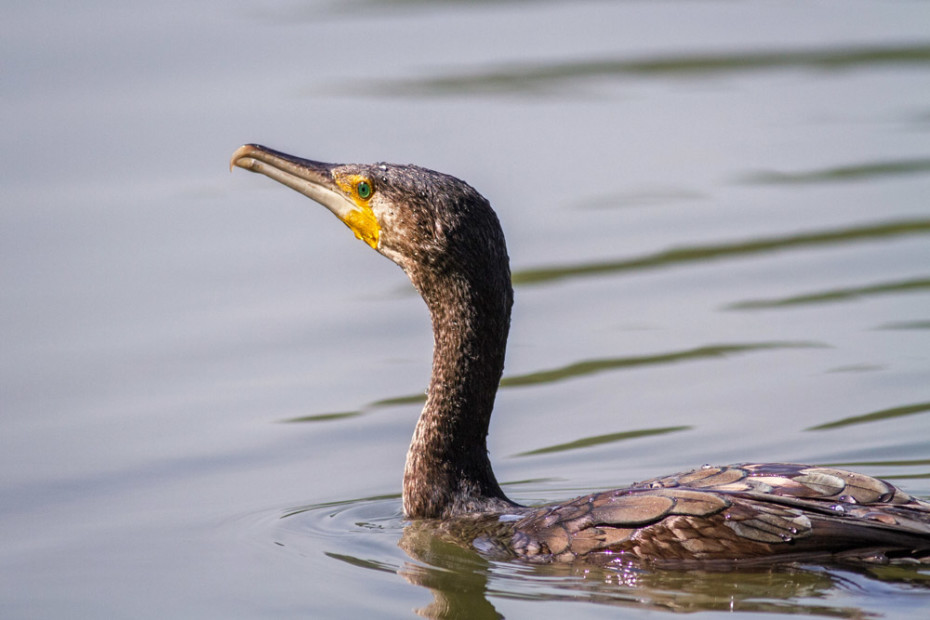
718,223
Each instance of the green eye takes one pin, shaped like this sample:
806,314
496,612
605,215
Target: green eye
363,189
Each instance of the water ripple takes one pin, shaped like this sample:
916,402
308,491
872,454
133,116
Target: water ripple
704,253
917,285
905,325
541,78
875,416
590,367
855,172
587,442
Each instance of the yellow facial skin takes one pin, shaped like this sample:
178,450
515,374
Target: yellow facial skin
362,220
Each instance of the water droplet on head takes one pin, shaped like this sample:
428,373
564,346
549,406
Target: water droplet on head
838,508
786,538
848,499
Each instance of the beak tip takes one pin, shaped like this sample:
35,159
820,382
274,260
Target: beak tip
243,157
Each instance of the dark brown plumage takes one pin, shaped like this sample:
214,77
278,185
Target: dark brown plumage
448,240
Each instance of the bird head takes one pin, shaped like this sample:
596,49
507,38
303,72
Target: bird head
414,216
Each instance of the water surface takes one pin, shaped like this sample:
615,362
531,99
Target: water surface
718,221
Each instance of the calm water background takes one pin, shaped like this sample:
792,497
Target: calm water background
718,216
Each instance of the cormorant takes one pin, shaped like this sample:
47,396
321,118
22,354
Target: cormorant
448,240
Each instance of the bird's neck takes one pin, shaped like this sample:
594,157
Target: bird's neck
448,470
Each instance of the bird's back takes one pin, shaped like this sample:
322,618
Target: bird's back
746,513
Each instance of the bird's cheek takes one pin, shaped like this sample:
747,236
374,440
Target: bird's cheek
363,223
